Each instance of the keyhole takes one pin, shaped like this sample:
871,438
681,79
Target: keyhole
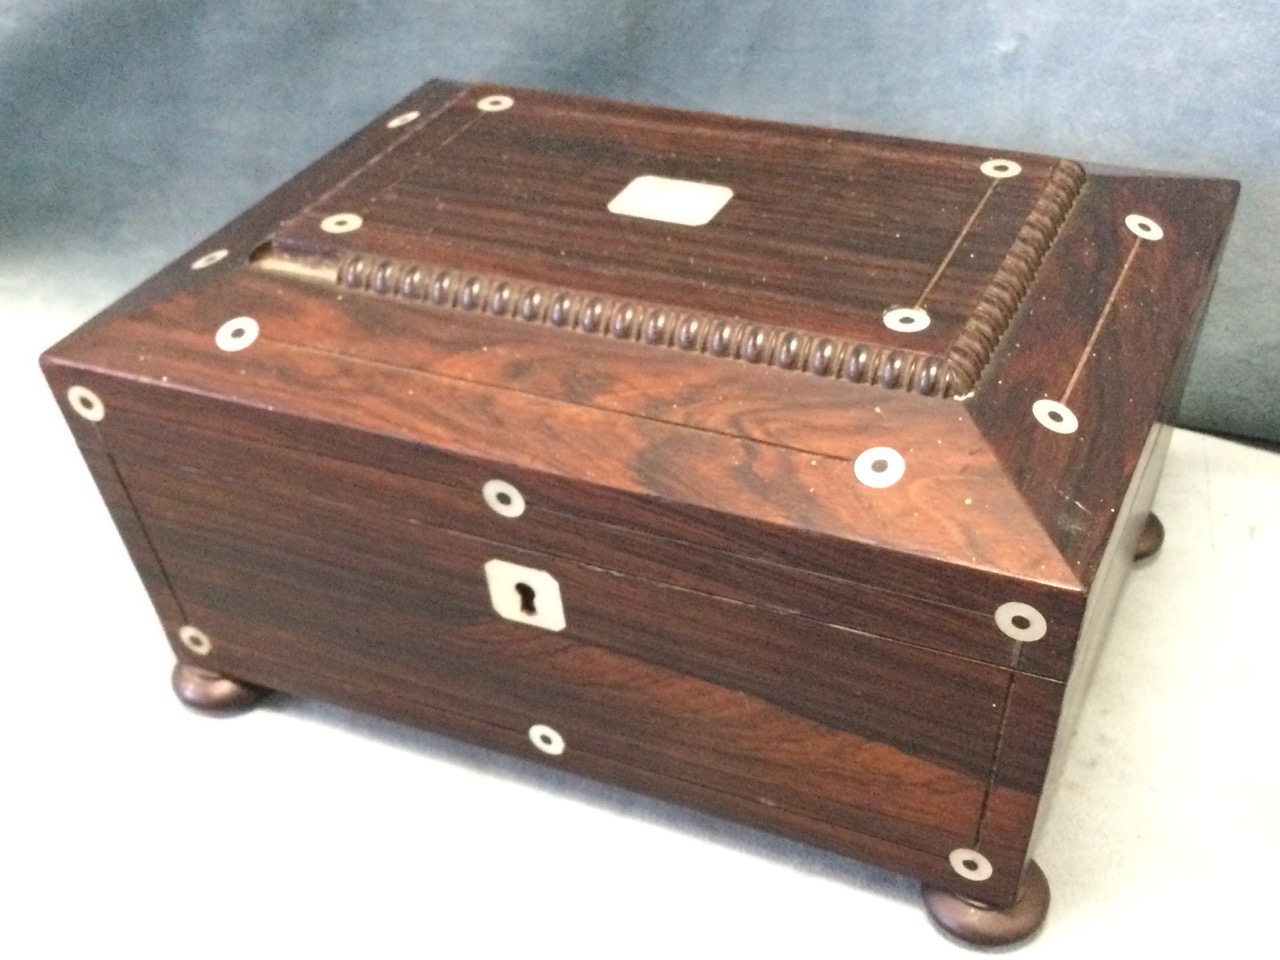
527,606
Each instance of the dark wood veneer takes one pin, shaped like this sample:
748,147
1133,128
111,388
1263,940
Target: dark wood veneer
750,629
1103,337
666,478
941,707
795,272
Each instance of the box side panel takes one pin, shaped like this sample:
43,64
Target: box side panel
1072,392
1129,518
1041,716
136,540
106,476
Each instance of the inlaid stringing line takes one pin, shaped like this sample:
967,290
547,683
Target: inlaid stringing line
1000,735
426,158
453,136
964,232
1102,319
387,190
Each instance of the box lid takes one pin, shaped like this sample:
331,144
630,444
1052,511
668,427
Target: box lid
925,369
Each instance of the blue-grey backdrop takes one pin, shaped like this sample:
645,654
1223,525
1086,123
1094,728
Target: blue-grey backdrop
134,127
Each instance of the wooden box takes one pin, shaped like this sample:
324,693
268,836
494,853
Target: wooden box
785,473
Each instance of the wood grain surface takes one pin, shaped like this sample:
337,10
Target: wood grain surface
507,211
750,629
942,707
656,477
1111,316
388,696
555,529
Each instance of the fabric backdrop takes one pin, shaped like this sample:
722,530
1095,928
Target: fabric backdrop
132,128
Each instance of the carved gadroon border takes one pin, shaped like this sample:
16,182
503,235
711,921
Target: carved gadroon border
1009,284
737,338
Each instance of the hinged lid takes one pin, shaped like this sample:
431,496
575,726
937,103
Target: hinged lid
926,370
846,256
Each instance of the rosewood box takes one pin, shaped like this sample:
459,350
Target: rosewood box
785,473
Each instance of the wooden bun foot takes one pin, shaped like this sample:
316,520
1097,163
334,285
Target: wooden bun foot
211,692
1151,539
988,926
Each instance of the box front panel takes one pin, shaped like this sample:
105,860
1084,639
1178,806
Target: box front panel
454,498
828,732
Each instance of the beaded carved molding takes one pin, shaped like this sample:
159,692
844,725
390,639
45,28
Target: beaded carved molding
954,373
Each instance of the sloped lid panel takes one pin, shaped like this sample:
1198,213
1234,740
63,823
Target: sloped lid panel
794,247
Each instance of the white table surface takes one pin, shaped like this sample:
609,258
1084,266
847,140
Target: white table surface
132,826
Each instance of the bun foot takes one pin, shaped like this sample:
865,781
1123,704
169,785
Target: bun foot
1151,539
211,692
988,926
